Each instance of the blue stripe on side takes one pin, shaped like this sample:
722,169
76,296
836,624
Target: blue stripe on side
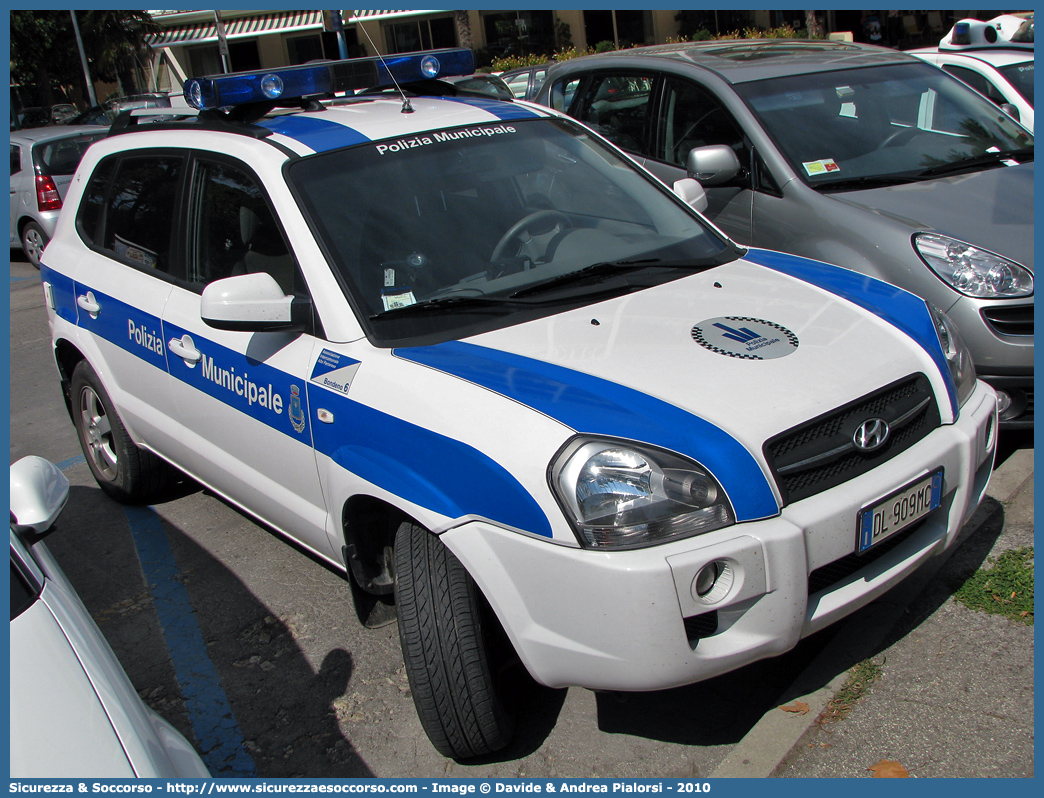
63,291
900,308
423,467
595,406
498,108
126,326
318,134
266,394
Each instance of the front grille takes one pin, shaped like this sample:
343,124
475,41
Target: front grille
1005,320
830,574
698,627
820,453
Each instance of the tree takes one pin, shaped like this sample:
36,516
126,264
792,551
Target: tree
463,28
44,50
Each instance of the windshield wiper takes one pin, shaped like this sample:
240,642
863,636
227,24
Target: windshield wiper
869,181
456,302
612,267
975,161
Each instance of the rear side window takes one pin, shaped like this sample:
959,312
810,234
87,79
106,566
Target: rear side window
129,209
16,159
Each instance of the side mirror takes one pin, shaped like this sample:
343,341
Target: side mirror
38,495
252,303
692,193
715,165
1011,111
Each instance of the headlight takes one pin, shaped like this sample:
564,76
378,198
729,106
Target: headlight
958,358
973,271
621,495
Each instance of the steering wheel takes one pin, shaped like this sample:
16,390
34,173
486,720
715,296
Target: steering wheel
900,136
561,222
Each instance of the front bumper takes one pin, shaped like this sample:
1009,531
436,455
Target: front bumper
631,620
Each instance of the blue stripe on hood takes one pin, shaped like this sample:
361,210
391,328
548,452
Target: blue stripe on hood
900,308
595,406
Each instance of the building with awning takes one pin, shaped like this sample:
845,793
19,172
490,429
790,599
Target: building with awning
200,42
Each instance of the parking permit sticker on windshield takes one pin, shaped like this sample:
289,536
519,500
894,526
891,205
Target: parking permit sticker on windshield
815,168
398,298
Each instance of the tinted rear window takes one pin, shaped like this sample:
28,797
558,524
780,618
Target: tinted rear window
62,156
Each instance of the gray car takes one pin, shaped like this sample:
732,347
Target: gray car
43,161
860,156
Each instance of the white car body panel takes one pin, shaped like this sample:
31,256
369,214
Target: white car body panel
459,436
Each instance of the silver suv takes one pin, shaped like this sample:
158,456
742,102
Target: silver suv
856,155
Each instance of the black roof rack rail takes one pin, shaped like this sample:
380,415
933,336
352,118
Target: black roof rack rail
216,121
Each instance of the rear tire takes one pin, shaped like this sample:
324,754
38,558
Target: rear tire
448,635
124,471
33,242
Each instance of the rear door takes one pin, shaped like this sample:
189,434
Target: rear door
120,283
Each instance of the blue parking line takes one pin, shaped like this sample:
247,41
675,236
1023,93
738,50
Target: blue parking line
65,465
217,732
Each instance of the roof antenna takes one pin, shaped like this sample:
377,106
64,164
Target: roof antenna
406,107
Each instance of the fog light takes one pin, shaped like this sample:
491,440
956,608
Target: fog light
706,578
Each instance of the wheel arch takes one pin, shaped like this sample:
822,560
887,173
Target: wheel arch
368,527
66,357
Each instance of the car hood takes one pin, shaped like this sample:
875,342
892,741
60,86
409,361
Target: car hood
991,209
646,365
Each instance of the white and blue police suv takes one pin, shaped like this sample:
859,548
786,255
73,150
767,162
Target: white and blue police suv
471,354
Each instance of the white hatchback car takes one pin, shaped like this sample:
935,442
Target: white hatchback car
471,354
995,58
74,712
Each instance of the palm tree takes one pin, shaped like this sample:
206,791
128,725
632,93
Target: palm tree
463,28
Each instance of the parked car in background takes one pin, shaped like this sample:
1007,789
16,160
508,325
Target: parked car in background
525,82
74,712
995,58
43,161
95,115
856,155
36,116
483,84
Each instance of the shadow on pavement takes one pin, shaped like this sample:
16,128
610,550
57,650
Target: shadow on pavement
268,689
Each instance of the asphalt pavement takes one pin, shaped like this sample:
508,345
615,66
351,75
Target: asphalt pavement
952,688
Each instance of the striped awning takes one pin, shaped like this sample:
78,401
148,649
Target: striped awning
351,17
240,27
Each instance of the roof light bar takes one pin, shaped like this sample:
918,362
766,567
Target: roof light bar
352,74
1005,31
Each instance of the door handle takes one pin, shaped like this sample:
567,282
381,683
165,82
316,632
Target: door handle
89,303
184,348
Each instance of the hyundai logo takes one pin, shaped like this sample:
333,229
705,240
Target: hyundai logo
871,435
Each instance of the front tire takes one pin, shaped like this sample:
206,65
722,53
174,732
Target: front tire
448,635
125,472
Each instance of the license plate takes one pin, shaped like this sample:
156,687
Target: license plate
898,511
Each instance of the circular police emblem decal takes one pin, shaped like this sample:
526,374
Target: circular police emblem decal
743,337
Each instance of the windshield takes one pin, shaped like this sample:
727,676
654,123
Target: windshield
864,124
1021,77
453,231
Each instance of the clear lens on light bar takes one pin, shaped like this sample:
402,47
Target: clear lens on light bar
353,74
